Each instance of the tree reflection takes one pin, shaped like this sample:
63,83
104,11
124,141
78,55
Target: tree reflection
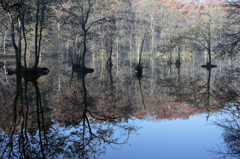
28,131
208,96
139,77
194,92
91,127
230,147
230,119
24,117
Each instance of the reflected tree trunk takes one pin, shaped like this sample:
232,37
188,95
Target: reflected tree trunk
178,75
208,91
14,122
140,87
179,89
152,77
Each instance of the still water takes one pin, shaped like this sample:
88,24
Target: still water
170,112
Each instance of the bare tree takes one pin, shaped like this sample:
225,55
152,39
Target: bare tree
84,13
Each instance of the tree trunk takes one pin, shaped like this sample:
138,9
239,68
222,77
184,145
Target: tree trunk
36,36
138,51
93,60
178,50
4,43
25,42
209,52
220,67
152,28
13,41
84,48
117,54
58,27
19,40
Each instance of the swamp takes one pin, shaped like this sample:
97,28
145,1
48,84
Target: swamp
107,79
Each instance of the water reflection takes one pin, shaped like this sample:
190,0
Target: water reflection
231,130
75,128
94,128
193,91
228,122
25,124
71,114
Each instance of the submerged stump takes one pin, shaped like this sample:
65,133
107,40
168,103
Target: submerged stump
138,70
208,66
109,64
78,68
177,63
1,64
30,74
169,62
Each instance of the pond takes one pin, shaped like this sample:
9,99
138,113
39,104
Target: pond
168,112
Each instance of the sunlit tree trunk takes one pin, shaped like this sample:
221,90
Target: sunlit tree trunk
117,54
58,27
4,42
152,28
220,67
93,60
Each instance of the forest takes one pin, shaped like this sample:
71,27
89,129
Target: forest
104,27
75,75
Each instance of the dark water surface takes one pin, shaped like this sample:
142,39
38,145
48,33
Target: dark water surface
170,113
